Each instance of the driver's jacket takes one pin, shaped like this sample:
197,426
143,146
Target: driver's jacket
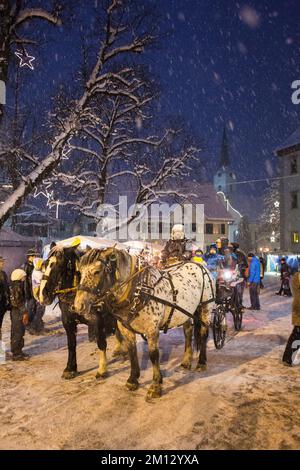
175,249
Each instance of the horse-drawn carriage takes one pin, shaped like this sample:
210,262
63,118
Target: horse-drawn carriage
228,299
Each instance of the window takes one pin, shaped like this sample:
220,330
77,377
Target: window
294,200
219,229
92,227
294,166
219,188
209,228
295,237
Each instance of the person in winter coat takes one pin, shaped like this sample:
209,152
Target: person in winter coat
4,293
293,343
242,263
199,257
35,326
262,271
285,273
230,258
18,314
214,261
241,259
176,248
254,281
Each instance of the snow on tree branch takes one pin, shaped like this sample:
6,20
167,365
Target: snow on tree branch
71,123
35,13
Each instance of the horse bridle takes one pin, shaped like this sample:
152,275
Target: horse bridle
59,290
96,291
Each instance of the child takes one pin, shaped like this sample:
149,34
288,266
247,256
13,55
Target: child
37,276
37,325
18,314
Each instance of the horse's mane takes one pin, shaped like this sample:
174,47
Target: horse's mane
93,255
98,254
54,251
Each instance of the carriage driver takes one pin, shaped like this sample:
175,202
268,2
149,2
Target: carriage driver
176,248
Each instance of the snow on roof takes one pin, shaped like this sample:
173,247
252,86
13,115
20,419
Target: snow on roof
292,141
8,236
205,193
85,241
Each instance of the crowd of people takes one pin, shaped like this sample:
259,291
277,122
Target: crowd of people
220,255
250,268
20,295
17,297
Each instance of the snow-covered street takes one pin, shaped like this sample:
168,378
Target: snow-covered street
246,400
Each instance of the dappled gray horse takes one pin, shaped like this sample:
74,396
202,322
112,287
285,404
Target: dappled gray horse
146,301
61,279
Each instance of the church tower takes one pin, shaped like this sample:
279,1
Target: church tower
224,178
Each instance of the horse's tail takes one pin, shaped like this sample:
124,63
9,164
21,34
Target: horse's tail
197,328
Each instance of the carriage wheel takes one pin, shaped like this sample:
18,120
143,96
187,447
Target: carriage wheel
237,318
219,326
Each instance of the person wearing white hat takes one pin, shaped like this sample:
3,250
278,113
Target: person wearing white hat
176,248
19,315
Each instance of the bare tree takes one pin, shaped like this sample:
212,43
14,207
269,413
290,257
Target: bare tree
115,155
14,17
125,33
244,236
270,216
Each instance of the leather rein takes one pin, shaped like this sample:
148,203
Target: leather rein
143,294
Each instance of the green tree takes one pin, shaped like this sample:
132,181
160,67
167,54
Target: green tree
244,237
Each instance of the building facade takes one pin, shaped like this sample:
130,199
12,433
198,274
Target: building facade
289,161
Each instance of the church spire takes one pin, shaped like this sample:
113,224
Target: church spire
224,160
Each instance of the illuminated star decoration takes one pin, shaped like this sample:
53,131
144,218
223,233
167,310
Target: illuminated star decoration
48,195
51,202
276,203
25,59
66,150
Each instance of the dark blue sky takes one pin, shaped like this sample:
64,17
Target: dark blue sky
223,61
234,61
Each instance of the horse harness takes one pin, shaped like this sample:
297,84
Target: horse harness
140,293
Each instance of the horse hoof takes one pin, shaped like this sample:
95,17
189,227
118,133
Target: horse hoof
132,386
99,376
201,367
69,374
154,392
186,365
